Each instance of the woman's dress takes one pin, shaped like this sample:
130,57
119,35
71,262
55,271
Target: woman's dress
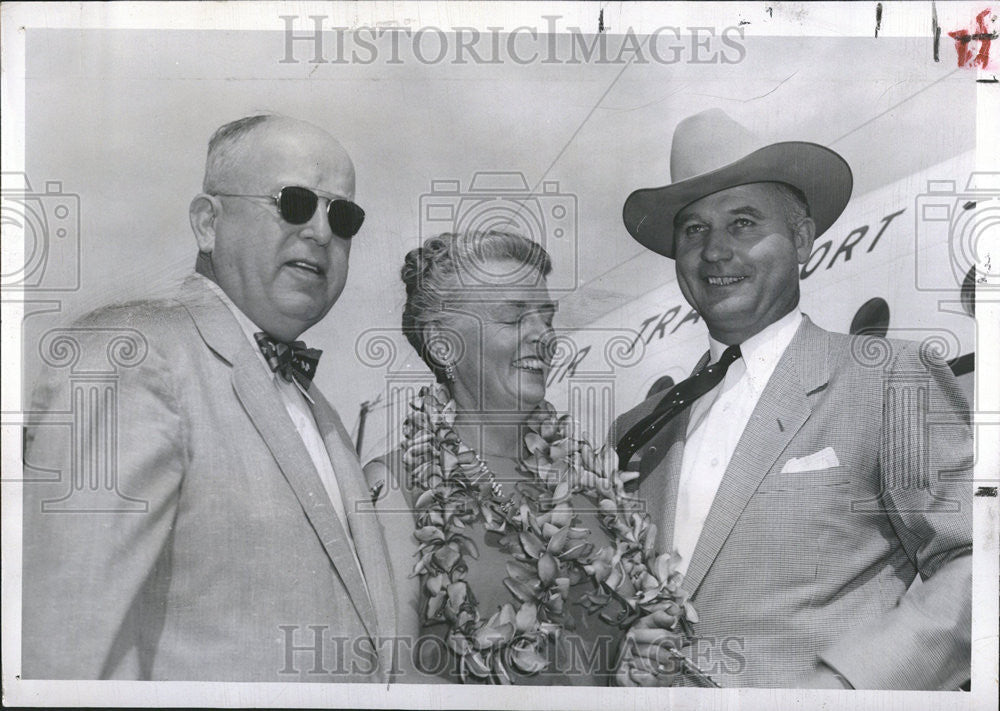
581,657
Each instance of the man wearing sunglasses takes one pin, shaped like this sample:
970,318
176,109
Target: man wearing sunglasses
238,553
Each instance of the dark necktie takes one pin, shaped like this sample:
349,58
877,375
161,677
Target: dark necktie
289,360
682,395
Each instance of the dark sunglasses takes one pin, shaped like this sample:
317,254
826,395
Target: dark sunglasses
297,205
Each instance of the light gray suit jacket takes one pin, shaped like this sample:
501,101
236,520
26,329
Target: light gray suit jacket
792,568
225,560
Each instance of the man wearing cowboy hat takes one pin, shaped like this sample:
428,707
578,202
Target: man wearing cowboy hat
796,472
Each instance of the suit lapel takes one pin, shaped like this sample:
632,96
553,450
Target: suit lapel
780,413
368,535
263,404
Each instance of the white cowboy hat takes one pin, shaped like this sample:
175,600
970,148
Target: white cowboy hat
712,152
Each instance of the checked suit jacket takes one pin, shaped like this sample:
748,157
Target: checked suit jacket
230,564
795,565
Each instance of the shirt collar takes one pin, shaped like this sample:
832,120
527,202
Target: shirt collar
762,351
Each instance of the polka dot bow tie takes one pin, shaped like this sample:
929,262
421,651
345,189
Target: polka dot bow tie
289,360
676,400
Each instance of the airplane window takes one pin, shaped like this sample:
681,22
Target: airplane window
662,384
872,318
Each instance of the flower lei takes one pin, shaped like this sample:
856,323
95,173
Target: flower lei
550,552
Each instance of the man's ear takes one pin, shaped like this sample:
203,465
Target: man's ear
203,211
804,235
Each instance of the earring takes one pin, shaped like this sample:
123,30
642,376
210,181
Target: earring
449,372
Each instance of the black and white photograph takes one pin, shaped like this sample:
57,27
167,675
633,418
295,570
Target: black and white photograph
508,355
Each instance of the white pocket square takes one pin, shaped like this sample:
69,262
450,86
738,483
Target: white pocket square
823,459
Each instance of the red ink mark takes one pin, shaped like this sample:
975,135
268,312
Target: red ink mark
963,38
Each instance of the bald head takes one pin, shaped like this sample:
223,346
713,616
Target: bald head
233,147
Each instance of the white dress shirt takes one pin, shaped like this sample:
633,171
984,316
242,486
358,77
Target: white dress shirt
298,409
718,419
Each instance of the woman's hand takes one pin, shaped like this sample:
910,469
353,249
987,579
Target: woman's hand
650,653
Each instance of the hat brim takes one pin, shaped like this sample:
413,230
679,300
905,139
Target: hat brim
820,173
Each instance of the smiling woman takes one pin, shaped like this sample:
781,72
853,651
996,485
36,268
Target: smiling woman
493,599
478,311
